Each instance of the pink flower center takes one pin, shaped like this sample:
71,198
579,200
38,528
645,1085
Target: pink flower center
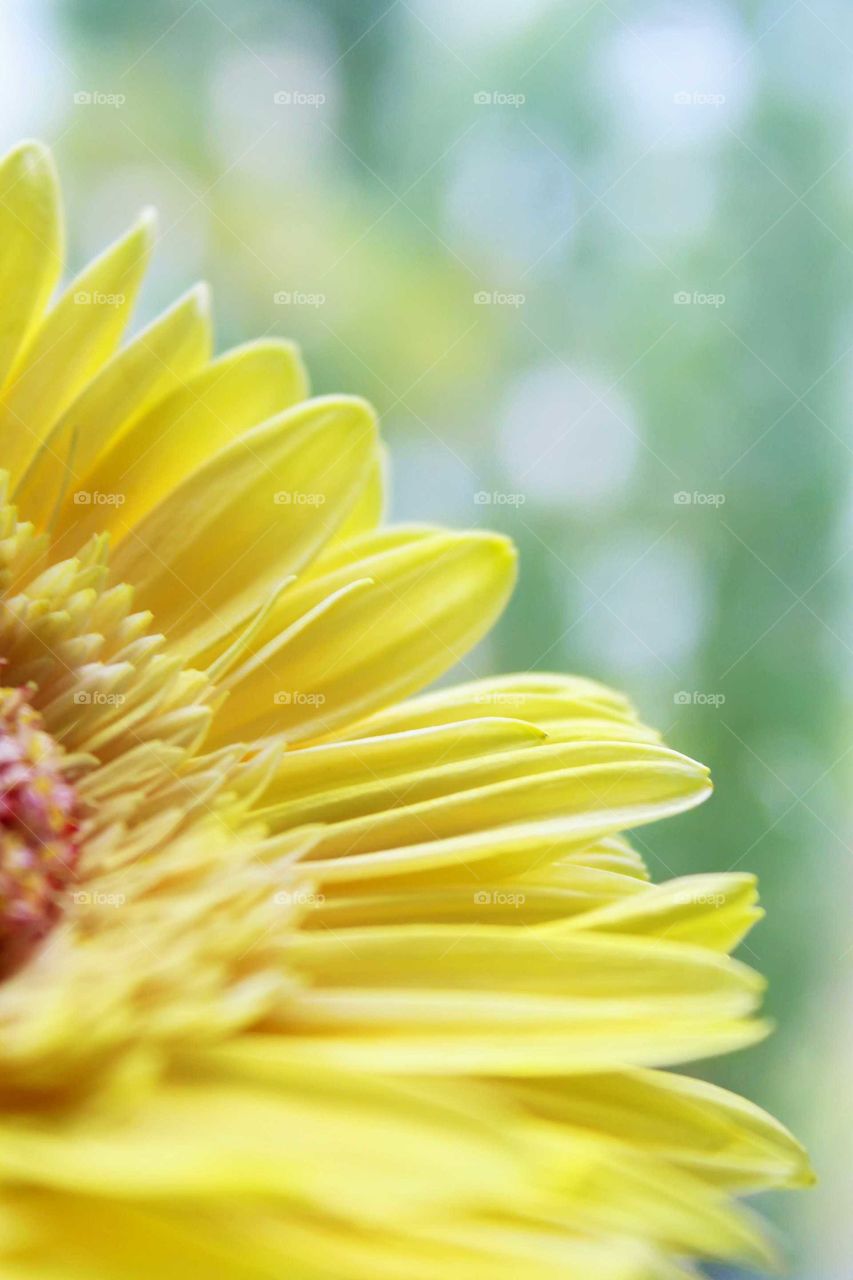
39,829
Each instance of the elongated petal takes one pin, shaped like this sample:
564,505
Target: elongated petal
30,245
494,999
580,1043
75,339
164,356
345,779
567,707
631,973
428,604
613,1186
298,1144
481,859
156,454
254,513
509,903
368,511
599,788
714,911
713,1133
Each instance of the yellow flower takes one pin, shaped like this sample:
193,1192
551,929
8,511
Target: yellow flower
303,975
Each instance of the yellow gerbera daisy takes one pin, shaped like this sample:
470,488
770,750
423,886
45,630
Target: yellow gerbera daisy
297,979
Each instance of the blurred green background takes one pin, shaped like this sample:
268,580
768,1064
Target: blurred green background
593,263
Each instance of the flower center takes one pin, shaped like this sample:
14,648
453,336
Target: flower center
39,828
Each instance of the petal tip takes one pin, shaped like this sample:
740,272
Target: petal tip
33,155
200,298
146,223
497,549
361,413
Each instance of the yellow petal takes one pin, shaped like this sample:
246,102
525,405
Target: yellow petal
223,540
588,774
74,340
714,911
612,853
429,602
716,1134
165,355
181,432
345,779
630,975
370,507
30,245
510,902
346,553
297,1144
591,789
581,1043
612,1186
481,859
551,701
